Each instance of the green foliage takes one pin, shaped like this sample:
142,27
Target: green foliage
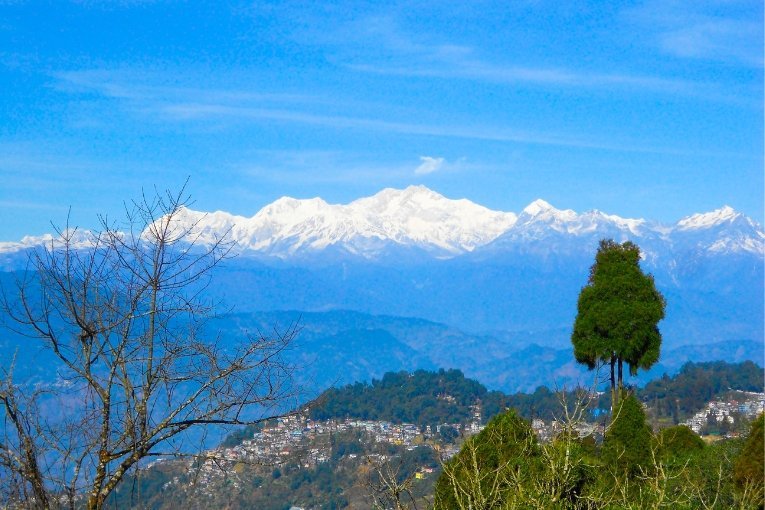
630,471
674,470
749,468
696,384
543,403
429,398
490,465
618,311
627,445
677,443
448,434
423,398
237,436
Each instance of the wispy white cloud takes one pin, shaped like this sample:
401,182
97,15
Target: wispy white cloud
429,165
145,86
142,96
714,39
721,30
181,104
26,204
478,70
401,54
189,112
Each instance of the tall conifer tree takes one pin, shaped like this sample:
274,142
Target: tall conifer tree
618,314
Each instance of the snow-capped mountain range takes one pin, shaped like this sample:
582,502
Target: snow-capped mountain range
415,253
420,219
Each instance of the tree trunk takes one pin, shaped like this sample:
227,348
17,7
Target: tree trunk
621,379
613,385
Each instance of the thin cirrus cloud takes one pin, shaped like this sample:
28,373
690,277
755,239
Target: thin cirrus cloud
483,71
428,165
139,86
714,39
194,111
174,104
718,30
396,52
179,104
403,55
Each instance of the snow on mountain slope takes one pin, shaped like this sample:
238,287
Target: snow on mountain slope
78,239
418,215
420,219
725,214
413,217
721,231
544,230
541,214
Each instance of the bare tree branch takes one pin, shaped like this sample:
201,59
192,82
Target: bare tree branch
124,318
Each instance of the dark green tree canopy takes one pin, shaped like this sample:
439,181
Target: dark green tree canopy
618,311
477,476
678,443
750,465
627,445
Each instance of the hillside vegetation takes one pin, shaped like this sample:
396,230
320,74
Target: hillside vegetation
350,472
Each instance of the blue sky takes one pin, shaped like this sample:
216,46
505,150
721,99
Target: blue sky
643,109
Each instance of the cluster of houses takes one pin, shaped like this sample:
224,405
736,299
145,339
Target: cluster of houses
308,443
546,431
738,404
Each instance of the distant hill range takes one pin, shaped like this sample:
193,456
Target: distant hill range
340,347
410,279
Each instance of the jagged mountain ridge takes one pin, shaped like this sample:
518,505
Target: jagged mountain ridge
414,253
419,219
415,217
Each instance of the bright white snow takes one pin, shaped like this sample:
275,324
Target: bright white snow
417,217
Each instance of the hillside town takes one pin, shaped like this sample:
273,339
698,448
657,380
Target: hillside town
727,411
308,443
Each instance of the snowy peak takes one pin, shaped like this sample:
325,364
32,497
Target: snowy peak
540,215
287,205
78,239
390,201
416,193
725,214
539,210
415,217
538,207
722,231
421,216
421,220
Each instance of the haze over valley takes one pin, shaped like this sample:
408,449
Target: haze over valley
409,279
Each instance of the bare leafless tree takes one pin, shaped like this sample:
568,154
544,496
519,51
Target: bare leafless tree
122,312
387,488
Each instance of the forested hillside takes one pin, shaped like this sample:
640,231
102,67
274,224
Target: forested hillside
424,397
333,457
698,383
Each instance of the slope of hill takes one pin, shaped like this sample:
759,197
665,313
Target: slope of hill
332,459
